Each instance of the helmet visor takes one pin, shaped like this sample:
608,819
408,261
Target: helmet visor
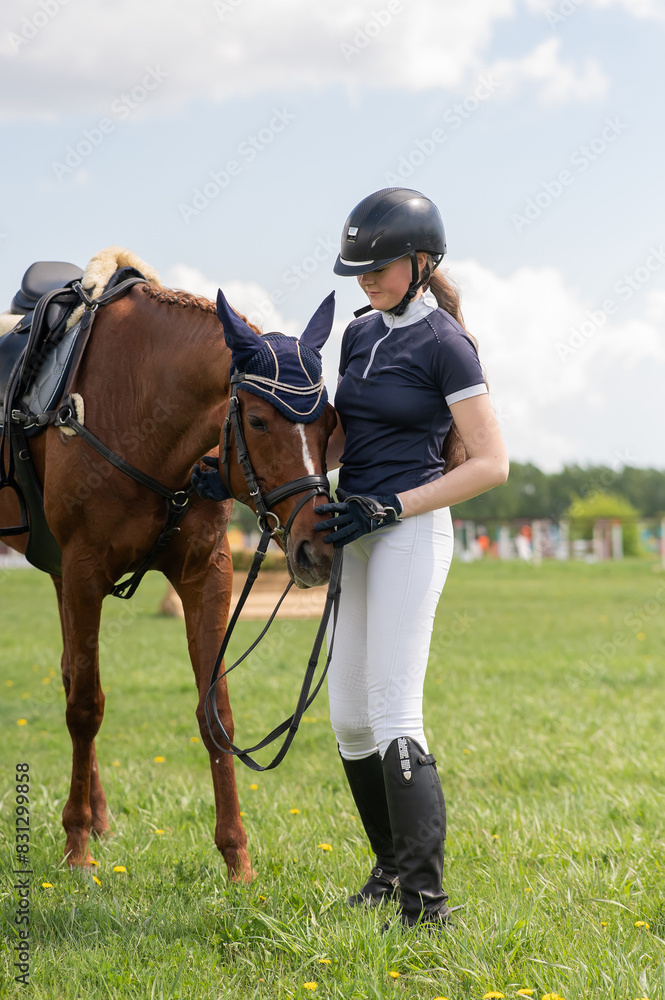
349,268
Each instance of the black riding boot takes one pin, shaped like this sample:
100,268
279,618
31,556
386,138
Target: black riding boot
365,778
418,820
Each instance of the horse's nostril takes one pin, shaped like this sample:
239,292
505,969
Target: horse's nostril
303,556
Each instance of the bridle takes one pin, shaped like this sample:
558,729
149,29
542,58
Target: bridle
264,502
313,485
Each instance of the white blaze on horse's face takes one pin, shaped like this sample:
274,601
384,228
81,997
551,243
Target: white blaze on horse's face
306,454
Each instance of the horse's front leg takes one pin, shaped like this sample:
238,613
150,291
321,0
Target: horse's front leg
100,825
80,602
206,595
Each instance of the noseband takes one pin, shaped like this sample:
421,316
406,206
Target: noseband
263,502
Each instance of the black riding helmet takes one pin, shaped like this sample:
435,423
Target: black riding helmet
387,225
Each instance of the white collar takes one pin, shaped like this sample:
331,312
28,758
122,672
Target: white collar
414,312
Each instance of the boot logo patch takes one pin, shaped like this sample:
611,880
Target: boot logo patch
404,758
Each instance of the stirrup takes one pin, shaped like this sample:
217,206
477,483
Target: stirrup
379,886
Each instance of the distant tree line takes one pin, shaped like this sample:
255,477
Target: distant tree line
530,493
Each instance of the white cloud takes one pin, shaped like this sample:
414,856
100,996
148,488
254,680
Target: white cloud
558,82
249,298
525,325
130,59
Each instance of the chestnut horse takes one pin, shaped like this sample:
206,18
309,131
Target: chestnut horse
155,380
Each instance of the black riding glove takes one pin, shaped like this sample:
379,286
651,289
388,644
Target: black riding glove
208,482
356,516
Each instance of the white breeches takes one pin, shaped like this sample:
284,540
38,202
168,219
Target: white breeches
391,583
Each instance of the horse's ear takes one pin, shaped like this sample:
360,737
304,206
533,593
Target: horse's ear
318,329
240,337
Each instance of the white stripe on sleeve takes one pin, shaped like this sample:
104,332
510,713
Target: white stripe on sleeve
472,390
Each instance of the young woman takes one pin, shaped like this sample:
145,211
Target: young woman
412,404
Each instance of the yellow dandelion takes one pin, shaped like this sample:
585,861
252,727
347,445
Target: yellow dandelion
324,847
495,836
309,986
253,788
262,898
641,923
603,923
119,868
466,750
9,684
96,880
528,889
553,996
241,813
440,998
93,862
116,763
22,722
493,995
47,885
525,993
25,694
324,961
294,812
46,680
159,760
159,833
193,739
641,636
394,975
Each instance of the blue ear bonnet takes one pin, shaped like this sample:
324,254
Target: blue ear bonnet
284,370
289,375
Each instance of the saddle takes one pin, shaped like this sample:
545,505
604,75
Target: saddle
38,360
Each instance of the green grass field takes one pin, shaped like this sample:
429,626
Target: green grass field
545,706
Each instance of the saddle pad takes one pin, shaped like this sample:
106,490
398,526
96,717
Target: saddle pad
48,383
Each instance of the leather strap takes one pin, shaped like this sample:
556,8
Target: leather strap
305,699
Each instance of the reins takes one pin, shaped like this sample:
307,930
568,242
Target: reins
314,484
305,699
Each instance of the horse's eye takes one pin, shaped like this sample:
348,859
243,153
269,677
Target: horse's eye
257,423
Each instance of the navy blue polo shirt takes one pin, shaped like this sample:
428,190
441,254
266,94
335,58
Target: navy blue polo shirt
397,381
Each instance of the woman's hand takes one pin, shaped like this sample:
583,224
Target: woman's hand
356,516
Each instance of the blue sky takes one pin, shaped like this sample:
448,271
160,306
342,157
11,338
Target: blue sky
225,141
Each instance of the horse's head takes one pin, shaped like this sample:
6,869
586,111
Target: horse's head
277,431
